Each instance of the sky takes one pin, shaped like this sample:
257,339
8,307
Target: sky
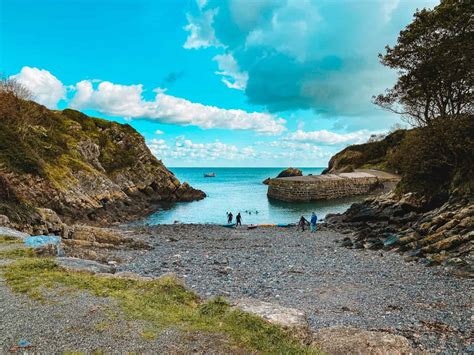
213,82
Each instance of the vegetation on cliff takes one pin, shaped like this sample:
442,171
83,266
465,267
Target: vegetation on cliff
80,167
435,159
371,155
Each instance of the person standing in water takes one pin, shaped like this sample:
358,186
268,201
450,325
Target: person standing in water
238,219
230,217
314,219
302,223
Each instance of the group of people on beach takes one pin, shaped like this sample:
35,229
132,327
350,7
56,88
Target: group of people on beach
311,223
230,218
303,222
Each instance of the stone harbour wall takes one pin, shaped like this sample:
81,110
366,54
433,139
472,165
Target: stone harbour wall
324,187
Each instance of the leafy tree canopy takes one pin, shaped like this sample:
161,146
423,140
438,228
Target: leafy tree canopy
434,58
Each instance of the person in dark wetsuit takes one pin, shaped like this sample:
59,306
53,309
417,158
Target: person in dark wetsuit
302,223
238,219
230,217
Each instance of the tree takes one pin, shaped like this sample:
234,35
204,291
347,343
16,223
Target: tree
16,109
376,138
12,86
434,58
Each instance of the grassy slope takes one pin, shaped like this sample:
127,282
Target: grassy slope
163,303
367,156
46,147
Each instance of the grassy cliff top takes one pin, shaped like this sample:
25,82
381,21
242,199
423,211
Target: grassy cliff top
372,155
40,142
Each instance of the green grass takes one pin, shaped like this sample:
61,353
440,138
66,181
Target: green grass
17,253
6,239
163,303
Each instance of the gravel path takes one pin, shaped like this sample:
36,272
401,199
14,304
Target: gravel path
334,285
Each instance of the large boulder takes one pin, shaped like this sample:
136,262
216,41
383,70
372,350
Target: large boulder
9,232
187,193
290,172
345,340
76,264
102,237
4,220
290,319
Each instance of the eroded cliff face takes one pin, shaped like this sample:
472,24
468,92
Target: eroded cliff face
82,168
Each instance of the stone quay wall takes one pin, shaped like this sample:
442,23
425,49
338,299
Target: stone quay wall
325,187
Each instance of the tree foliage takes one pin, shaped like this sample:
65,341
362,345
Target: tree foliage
15,88
437,159
434,58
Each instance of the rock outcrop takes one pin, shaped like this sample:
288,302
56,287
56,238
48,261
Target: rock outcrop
289,319
78,167
285,173
410,225
290,172
75,264
369,155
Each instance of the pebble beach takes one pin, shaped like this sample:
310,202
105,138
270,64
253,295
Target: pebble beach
334,286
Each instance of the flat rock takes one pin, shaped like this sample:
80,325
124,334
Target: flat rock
9,232
288,318
347,340
4,220
76,264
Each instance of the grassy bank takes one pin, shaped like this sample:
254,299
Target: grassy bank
163,303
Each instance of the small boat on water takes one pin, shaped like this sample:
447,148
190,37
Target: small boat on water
210,175
230,225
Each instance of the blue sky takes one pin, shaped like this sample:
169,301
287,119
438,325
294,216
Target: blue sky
213,83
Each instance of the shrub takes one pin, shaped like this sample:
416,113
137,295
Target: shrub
437,159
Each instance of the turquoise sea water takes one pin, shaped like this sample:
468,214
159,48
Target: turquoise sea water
239,190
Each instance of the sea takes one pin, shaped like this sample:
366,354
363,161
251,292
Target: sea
240,190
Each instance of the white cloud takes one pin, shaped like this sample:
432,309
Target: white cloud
159,132
231,74
329,138
185,149
44,86
201,33
127,101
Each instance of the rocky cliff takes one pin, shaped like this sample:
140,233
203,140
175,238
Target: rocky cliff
372,155
407,224
82,168
425,225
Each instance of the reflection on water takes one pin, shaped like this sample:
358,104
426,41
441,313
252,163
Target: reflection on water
240,190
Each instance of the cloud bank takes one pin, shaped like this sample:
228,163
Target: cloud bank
188,150
302,54
325,137
127,101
